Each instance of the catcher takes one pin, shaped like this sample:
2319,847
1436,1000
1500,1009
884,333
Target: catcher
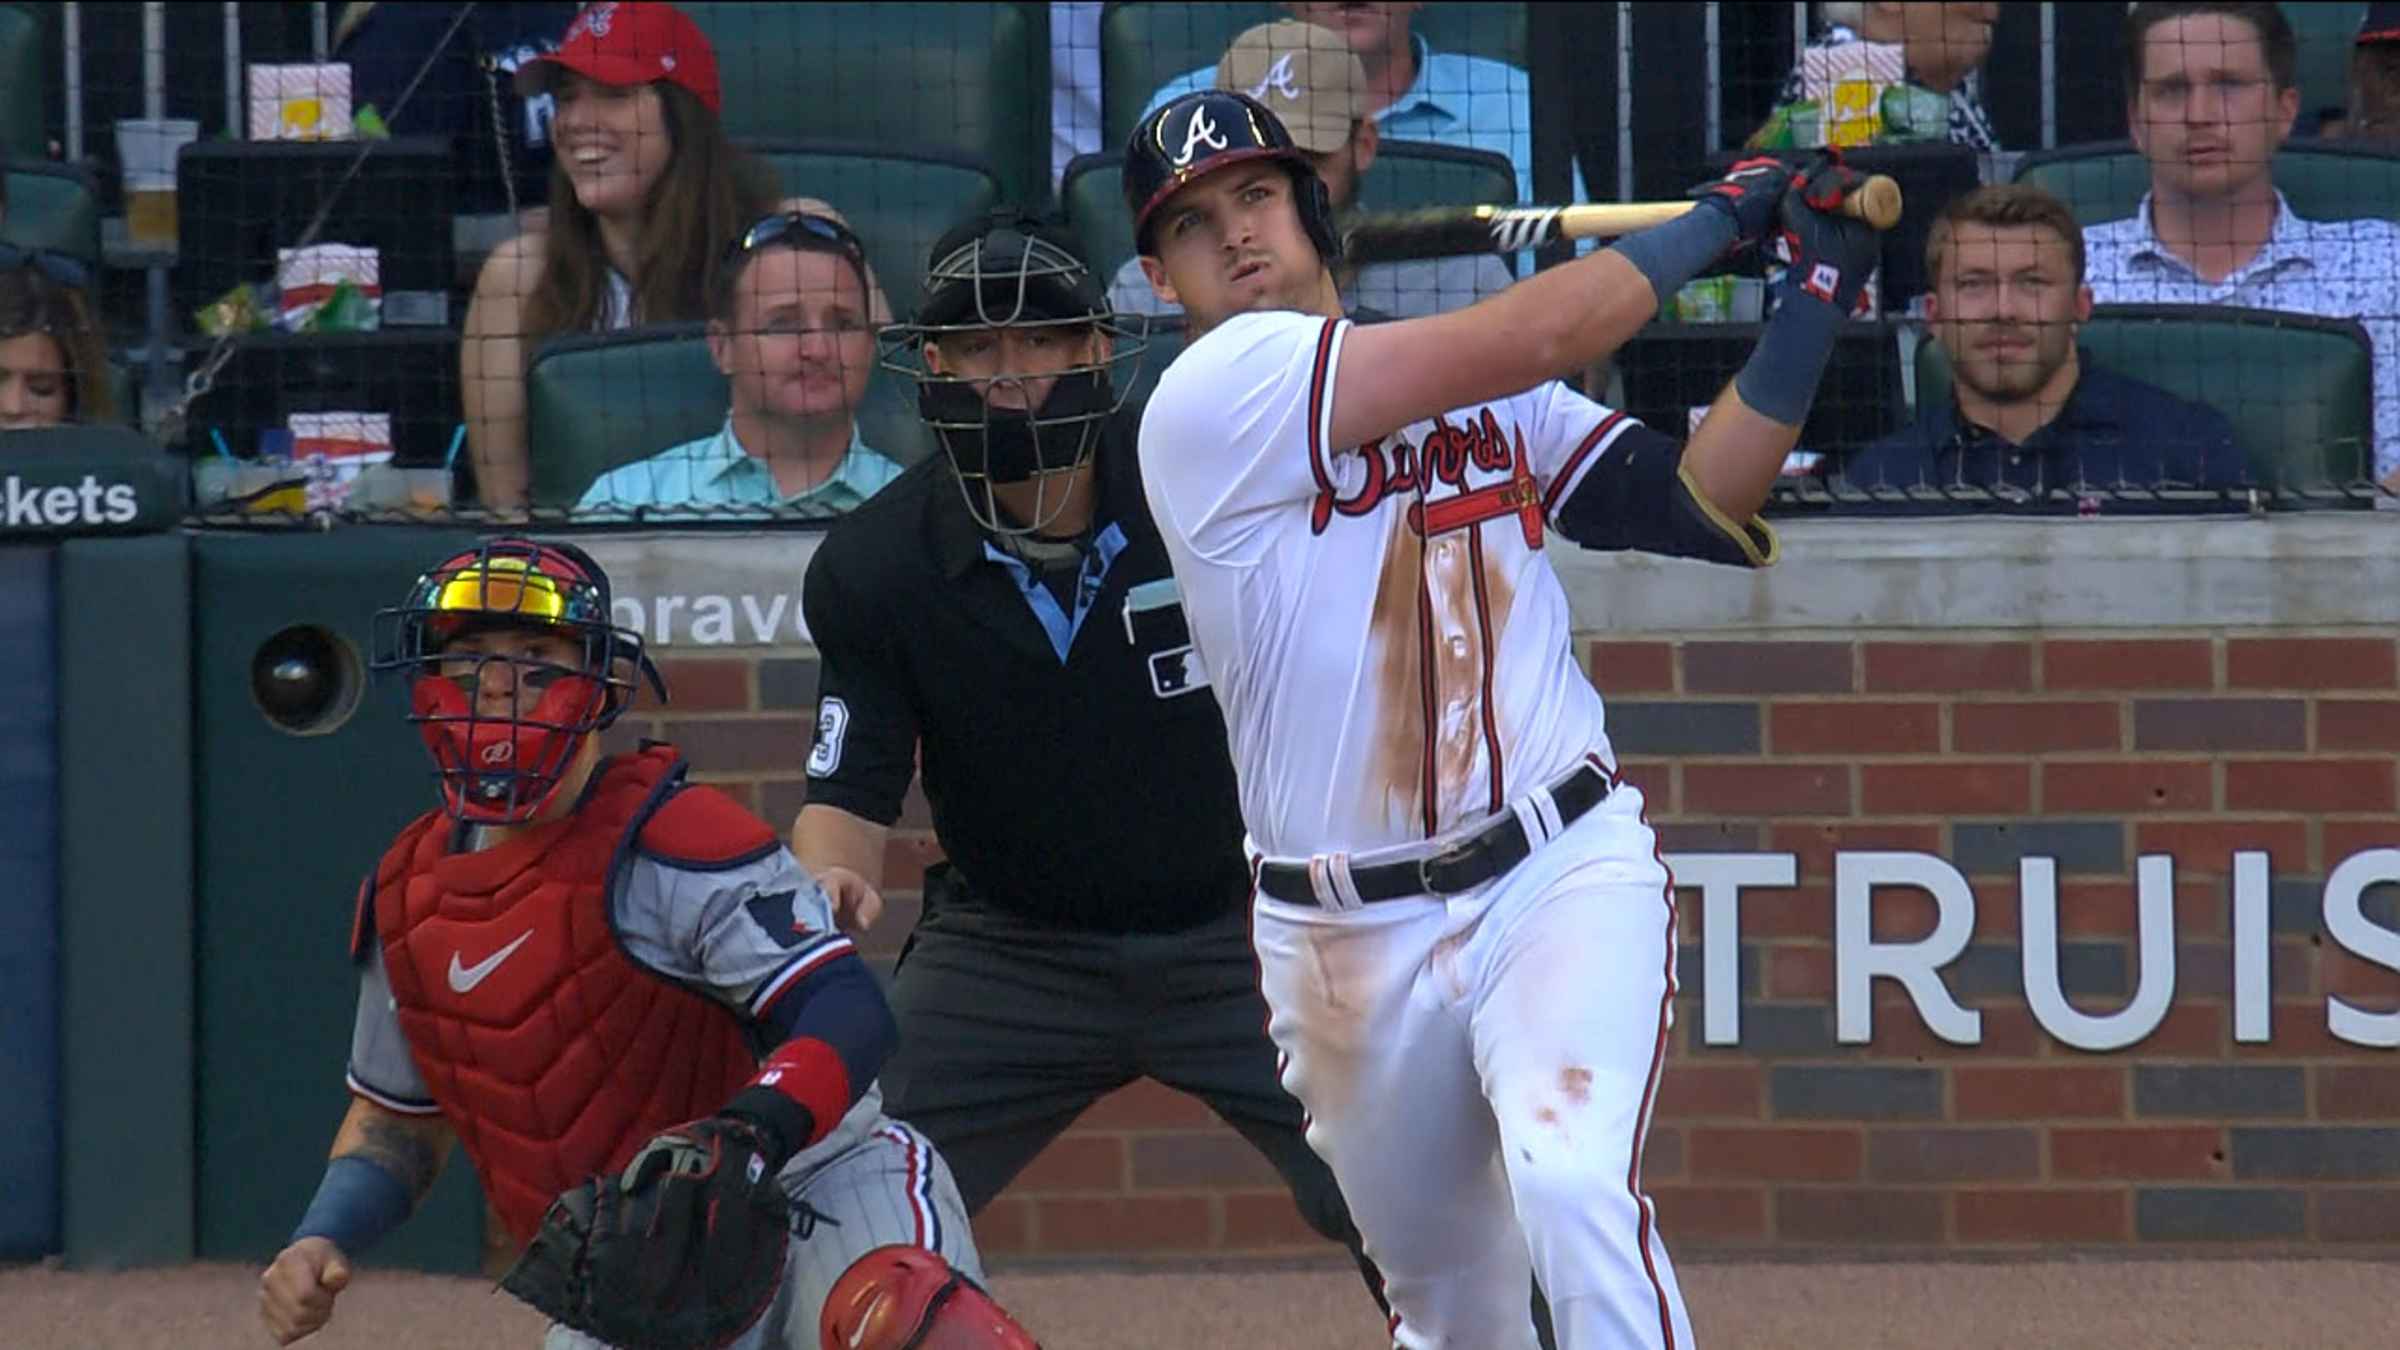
628,1002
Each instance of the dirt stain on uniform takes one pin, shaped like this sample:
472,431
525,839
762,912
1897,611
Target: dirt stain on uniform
1576,1084
1396,775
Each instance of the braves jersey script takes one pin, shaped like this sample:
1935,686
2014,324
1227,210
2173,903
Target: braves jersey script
740,934
1390,645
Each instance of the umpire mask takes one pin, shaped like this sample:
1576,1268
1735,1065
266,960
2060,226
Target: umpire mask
996,276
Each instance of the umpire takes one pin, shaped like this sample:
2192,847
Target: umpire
1007,607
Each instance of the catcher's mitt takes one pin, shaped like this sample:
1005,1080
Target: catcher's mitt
683,1252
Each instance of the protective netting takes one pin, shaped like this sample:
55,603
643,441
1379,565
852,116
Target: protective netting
434,259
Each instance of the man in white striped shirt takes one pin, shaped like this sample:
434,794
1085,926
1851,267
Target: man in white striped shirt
2211,98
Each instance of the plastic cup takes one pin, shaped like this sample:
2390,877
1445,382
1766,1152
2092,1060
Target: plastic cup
146,150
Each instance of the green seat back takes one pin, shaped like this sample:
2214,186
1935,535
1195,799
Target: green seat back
594,403
972,78
1145,44
2298,389
2326,31
24,83
1405,175
54,207
2323,180
1091,194
899,204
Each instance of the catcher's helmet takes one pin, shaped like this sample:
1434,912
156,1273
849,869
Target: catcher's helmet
502,768
1010,269
1207,130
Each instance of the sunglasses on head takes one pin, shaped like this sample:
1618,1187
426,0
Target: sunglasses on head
793,229
60,268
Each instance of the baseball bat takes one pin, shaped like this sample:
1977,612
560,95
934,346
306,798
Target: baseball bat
1445,231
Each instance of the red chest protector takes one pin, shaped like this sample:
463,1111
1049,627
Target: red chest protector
551,1052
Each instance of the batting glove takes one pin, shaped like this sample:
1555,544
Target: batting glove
1830,254
1750,192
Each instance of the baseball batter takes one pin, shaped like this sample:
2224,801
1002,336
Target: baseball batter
579,956
1465,934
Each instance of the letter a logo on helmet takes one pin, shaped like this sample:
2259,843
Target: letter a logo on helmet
1201,130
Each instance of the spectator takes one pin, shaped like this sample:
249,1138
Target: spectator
789,325
1319,88
1417,93
1074,83
2374,112
2211,100
1943,47
2029,410
461,88
642,197
53,363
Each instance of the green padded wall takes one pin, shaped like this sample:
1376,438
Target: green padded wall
125,889
54,207
972,78
285,827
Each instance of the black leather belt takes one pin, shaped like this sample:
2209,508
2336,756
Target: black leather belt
1472,861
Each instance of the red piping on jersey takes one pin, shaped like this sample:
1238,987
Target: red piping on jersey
1566,472
1483,621
1641,1122
1425,683
1316,428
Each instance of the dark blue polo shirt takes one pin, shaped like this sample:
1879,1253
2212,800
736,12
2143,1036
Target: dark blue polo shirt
2114,432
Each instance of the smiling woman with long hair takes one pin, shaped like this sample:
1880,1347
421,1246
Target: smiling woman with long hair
645,190
53,362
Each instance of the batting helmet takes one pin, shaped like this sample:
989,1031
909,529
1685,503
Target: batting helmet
907,1298
1207,130
1010,269
502,768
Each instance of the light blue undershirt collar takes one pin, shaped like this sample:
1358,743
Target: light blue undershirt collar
1096,561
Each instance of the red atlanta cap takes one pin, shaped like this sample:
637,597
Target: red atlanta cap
622,42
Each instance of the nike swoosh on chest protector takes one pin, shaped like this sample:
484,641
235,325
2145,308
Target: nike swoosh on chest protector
465,978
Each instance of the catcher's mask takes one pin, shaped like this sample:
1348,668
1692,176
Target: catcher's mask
1012,271
503,767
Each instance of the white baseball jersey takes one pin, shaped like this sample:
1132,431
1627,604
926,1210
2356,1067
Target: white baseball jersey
1391,648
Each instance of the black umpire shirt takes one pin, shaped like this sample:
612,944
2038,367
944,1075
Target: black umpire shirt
1073,754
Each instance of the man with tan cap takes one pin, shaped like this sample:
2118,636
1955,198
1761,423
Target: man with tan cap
1318,87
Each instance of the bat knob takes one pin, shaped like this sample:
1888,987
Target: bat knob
1875,201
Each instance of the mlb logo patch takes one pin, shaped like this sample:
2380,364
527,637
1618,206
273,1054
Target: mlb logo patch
1177,672
1822,281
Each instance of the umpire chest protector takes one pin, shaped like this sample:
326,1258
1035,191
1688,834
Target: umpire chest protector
549,1049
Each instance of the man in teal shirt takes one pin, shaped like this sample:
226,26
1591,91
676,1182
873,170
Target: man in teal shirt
1419,94
790,329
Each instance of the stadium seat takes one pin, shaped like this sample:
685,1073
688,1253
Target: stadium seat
593,403
1406,175
2298,389
2323,180
1145,44
24,83
973,78
54,207
2326,32
898,203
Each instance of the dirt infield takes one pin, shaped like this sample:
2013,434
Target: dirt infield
2120,1305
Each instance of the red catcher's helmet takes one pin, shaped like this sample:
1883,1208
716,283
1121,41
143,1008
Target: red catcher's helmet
502,769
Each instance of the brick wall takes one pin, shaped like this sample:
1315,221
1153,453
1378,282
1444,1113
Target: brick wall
2089,748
